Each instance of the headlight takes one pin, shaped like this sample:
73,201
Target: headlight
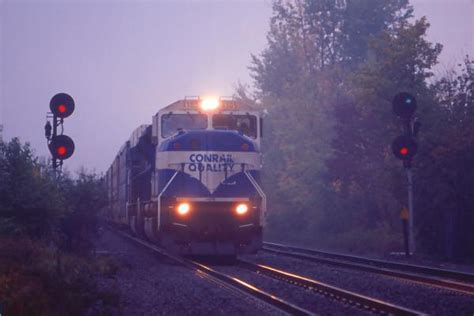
209,104
183,209
241,209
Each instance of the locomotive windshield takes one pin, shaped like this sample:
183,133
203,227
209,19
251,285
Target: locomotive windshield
246,124
171,123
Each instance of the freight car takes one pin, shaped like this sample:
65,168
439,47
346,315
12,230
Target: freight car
190,181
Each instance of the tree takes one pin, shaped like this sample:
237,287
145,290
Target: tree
29,201
41,217
327,78
87,196
445,191
362,164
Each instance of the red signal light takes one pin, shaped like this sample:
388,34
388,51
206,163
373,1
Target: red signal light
61,150
404,147
61,147
62,105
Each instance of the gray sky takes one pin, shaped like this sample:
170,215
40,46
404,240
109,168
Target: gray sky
122,61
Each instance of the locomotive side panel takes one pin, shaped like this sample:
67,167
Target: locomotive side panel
114,191
123,184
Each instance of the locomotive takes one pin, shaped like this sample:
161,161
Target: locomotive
190,181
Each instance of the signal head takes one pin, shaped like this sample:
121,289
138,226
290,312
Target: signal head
404,105
62,105
404,147
61,147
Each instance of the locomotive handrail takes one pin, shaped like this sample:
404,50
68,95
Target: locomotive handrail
259,191
161,193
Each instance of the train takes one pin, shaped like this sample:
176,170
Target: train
190,180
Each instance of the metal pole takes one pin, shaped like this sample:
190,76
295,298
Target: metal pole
411,209
405,237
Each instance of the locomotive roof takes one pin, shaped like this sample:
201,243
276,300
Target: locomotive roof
137,133
226,104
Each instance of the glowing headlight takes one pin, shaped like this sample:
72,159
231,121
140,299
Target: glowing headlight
241,209
209,104
183,208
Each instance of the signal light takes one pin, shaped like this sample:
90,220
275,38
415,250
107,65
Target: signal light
404,105
62,105
61,147
61,151
404,147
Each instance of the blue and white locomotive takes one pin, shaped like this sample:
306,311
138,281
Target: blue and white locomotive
190,180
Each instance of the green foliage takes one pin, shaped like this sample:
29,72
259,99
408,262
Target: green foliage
362,167
30,285
446,169
47,227
87,196
327,78
305,78
29,201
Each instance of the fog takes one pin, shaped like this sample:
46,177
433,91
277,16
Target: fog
123,61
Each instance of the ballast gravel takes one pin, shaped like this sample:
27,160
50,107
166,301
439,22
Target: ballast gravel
151,285
423,298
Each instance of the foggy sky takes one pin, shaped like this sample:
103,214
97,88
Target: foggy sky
123,61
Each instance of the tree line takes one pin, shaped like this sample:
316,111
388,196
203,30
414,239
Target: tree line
48,224
327,78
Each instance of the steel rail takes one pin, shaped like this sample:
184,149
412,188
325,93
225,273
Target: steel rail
391,269
452,274
361,301
224,279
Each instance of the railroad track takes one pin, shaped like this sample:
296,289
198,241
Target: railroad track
445,279
223,279
346,297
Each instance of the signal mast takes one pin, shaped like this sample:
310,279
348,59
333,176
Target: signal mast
404,147
61,146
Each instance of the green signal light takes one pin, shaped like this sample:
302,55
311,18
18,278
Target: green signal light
404,105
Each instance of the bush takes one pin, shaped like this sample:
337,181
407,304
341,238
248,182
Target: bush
47,227
30,283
